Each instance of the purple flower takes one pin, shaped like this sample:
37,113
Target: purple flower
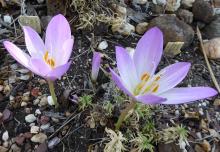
49,60
138,79
96,60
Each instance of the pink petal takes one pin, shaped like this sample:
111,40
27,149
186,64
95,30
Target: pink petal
18,54
66,52
96,61
150,99
126,68
184,95
57,72
40,67
172,75
148,51
34,43
58,31
118,81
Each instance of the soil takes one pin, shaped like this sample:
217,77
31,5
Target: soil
78,135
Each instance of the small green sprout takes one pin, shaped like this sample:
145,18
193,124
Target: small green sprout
143,142
85,101
143,111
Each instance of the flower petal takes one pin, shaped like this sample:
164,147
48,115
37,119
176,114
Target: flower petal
58,31
18,54
118,81
126,68
34,43
172,75
58,72
40,67
96,61
184,95
149,50
67,50
150,99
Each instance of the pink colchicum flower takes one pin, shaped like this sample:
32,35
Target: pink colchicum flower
138,79
49,60
96,61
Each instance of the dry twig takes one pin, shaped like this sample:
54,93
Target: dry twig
207,61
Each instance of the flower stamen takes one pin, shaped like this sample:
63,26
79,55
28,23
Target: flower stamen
48,60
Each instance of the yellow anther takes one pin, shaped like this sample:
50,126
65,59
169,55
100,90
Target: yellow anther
145,77
49,61
155,88
157,78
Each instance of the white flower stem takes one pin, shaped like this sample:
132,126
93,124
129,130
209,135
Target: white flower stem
52,92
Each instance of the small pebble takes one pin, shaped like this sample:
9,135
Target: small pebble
5,144
177,112
30,118
15,148
7,19
44,120
23,104
201,111
36,102
39,138
37,112
45,127
5,136
43,101
103,45
35,129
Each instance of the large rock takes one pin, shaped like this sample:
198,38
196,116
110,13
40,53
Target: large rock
213,29
203,11
174,30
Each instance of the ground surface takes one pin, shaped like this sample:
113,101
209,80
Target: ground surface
86,128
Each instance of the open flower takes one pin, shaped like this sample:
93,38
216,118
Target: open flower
49,60
138,79
96,61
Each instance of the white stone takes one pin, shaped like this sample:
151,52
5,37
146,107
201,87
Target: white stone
39,138
103,45
23,104
30,118
35,129
37,112
5,136
7,19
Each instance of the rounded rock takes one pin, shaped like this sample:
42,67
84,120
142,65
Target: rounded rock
212,48
174,30
203,11
213,29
